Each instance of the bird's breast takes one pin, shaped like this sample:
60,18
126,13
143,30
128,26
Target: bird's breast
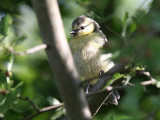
87,61
87,56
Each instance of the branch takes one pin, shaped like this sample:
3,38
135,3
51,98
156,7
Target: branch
108,88
95,102
97,97
61,60
29,51
149,82
39,111
46,109
107,92
109,73
119,68
31,102
148,75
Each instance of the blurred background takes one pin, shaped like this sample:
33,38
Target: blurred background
132,29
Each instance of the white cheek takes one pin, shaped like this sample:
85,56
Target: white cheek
89,29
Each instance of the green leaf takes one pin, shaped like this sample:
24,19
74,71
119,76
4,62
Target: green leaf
158,84
58,113
9,100
19,39
111,117
1,115
4,24
157,81
10,63
113,79
18,85
126,16
2,77
13,115
53,101
128,78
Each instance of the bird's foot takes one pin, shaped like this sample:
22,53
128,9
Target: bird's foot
113,98
101,72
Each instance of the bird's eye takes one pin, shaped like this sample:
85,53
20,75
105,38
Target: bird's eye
82,27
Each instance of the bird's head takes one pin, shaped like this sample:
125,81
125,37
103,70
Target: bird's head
83,25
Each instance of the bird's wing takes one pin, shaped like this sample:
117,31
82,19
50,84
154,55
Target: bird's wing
104,37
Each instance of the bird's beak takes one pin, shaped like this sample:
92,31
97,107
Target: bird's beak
73,32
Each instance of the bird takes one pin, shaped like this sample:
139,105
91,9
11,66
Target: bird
86,44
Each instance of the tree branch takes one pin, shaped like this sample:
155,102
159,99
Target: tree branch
96,101
39,111
149,82
46,109
119,68
148,75
97,96
31,102
107,91
108,88
61,60
29,51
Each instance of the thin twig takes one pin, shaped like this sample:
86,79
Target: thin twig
90,94
31,102
118,68
95,102
149,82
46,109
147,74
39,111
29,51
108,88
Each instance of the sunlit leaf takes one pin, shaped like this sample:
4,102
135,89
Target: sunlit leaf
4,24
113,79
53,101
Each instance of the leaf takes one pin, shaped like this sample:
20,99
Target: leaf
13,115
19,39
113,79
132,27
18,85
53,101
128,77
2,77
111,117
10,63
4,24
59,112
1,115
158,84
126,16
9,100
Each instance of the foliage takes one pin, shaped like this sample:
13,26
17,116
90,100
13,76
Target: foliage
133,32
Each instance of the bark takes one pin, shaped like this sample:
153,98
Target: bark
60,59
